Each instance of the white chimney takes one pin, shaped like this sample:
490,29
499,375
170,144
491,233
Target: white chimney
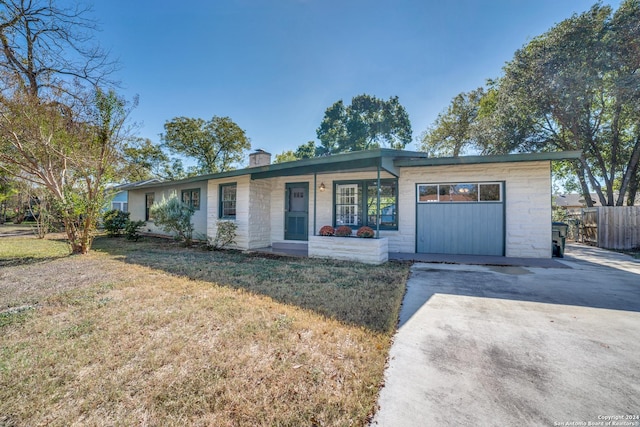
259,158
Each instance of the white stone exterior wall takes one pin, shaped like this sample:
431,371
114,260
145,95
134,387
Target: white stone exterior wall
324,199
527,199
242,208
253,210
137,206
260,214
263,224
260,205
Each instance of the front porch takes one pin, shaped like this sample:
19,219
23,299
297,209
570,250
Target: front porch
301,249
292,249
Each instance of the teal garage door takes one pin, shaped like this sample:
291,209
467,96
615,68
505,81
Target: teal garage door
464,219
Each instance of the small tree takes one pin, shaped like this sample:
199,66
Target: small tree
71,152
173,216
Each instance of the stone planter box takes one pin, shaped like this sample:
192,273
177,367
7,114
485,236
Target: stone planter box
368,251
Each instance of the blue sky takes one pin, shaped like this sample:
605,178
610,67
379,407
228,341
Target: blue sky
274,66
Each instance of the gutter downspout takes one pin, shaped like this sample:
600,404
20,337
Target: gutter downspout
378,205
315,191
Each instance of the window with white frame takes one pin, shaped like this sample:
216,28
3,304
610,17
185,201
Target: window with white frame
191,198
120,206
359,203
348,201
228,194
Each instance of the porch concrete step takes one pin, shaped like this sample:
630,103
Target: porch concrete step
290,246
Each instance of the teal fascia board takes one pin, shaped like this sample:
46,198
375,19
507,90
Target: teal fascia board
380,157
384,158
318,168
506,158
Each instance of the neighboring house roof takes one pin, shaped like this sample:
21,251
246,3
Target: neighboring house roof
576,200
130,185
384,159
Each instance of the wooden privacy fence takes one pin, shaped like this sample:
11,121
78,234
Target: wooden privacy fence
612,227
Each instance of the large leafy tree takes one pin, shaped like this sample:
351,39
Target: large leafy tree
58,129
368,122
576,87
580,82
304,151
452,133
145,160
217,145
286,156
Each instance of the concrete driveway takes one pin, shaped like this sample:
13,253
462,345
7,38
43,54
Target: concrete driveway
489,346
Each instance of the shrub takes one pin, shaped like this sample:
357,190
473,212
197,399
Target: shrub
327,230
115,222
343,231
173,216
132,230
365,232
225,235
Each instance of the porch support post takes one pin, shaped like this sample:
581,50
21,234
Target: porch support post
378,205
315,190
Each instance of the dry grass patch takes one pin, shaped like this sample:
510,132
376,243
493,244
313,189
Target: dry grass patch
356,293
123,343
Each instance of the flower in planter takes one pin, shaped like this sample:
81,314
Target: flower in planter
366,232
343,231
327,230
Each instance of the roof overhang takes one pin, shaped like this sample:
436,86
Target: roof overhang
505,158
382,159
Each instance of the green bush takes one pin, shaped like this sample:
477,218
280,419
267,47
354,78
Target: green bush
173,216
115,222
225,235
132,230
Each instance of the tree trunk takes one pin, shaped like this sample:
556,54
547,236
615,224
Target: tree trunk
615,147
633,189
585,169
595,184
583,184
630,174
73,233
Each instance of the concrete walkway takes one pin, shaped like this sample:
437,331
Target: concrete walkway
517,345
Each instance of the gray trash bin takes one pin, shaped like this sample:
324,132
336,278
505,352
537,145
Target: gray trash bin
559,237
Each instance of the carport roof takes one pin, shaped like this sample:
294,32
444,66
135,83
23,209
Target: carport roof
382,158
